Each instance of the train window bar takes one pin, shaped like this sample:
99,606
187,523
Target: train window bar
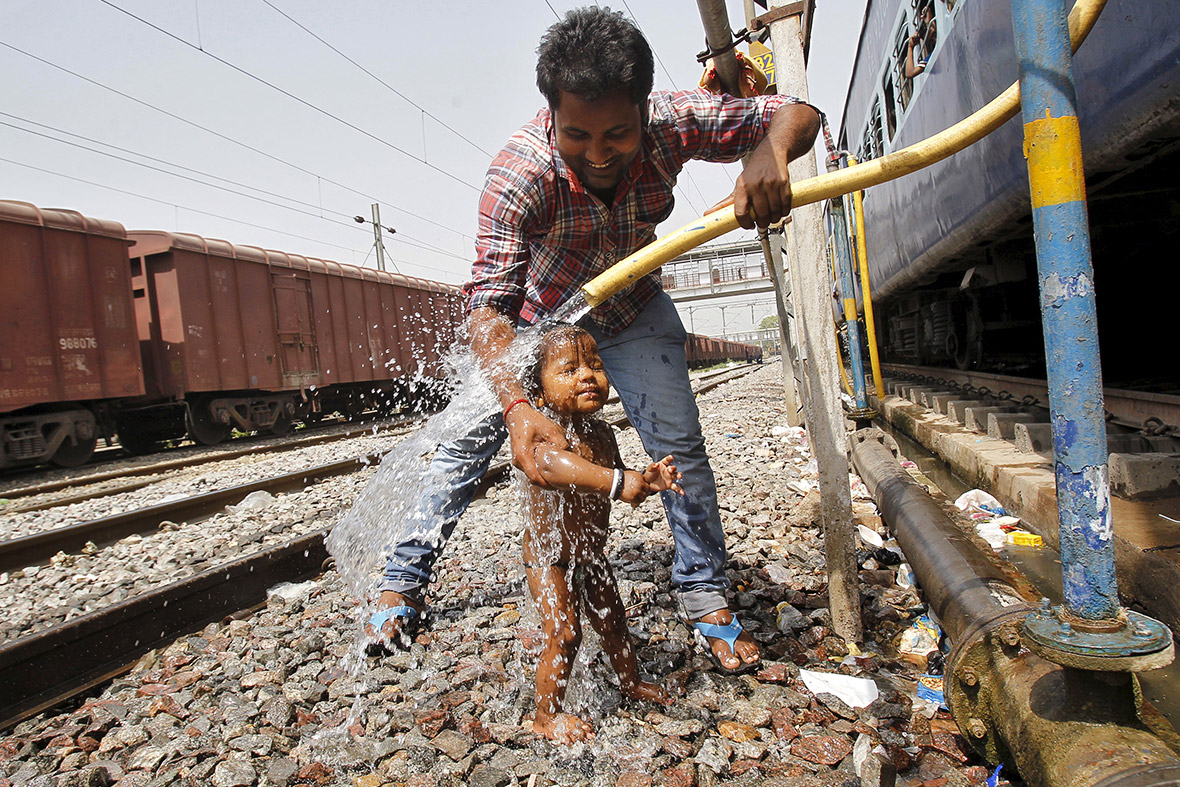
905,85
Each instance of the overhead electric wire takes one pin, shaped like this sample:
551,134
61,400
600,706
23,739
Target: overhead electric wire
294,97
351,223
388,86
229,139
198,210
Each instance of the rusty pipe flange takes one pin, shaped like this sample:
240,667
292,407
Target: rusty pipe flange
862,415
1130,642
872,433
967,683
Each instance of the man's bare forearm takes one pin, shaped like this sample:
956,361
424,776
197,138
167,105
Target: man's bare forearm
792,131
491,335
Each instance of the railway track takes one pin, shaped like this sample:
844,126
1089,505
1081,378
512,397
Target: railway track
154,468
41,670
1154,413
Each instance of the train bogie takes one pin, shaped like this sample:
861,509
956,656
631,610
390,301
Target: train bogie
68,340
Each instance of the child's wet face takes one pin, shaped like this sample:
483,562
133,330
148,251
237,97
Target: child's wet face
573,381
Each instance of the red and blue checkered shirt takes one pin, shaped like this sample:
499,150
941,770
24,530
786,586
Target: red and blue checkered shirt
542,235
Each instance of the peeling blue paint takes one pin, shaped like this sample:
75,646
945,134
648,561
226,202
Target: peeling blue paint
1069,320
843,262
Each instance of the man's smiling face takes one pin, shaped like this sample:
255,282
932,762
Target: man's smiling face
598,139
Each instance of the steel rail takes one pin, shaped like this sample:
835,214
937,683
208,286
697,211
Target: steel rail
37,547
179,463
1134,409
44,669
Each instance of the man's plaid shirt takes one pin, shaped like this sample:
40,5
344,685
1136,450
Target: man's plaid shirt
542,235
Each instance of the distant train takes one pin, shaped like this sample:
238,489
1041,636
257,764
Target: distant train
707,351
950,248
155,336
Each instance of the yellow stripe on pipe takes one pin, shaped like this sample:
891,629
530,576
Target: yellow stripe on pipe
1053,147
850,309
842,181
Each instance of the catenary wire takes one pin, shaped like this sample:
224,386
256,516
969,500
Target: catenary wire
410,239
198,210
231,140
294,97
388,86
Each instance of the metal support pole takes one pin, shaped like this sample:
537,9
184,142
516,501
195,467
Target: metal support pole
718,35
863,415
378,243
1091,625
824,414
715,18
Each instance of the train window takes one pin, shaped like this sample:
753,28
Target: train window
890,109
136,266
902,76
926,30
870,146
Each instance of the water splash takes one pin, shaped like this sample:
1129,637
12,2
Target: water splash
572,310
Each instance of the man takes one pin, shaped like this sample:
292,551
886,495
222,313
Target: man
577,189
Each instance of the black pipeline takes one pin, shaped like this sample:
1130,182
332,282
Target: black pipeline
1061,727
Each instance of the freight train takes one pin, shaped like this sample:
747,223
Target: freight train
155,336
707,351
950,248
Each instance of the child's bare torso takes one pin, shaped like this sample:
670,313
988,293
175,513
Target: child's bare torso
565,527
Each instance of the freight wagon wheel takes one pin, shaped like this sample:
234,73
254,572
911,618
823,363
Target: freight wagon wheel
201,426
282,424
74,454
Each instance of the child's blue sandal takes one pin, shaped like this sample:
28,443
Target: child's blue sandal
729,633
410,619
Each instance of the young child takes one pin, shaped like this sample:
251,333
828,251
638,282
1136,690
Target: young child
565,534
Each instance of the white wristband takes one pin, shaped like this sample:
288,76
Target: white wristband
616,487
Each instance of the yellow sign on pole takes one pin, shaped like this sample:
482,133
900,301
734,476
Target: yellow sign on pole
764,58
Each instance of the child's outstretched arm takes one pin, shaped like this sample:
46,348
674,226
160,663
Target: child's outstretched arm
561,468
659,476
662,476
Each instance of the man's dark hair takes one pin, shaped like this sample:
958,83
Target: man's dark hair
592,51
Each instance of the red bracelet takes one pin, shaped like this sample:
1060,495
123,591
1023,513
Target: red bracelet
515,402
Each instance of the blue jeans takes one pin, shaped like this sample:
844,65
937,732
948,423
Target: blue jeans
646,365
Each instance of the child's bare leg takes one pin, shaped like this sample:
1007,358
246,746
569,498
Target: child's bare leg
609,618
563,634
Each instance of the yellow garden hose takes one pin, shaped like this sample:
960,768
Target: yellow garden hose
862,258
833,184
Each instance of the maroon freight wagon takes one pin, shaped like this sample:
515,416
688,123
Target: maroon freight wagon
68,345
707,351
248,338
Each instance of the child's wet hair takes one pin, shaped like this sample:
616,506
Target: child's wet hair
548,332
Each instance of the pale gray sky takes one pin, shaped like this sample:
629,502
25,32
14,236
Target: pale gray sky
446,84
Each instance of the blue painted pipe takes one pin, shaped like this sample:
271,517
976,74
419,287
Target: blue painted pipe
846,286
1069,320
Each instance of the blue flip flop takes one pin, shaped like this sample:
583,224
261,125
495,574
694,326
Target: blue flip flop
729,633
411,620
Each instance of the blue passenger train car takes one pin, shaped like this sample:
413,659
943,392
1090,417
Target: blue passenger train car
950,248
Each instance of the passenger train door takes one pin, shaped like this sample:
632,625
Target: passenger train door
296,331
